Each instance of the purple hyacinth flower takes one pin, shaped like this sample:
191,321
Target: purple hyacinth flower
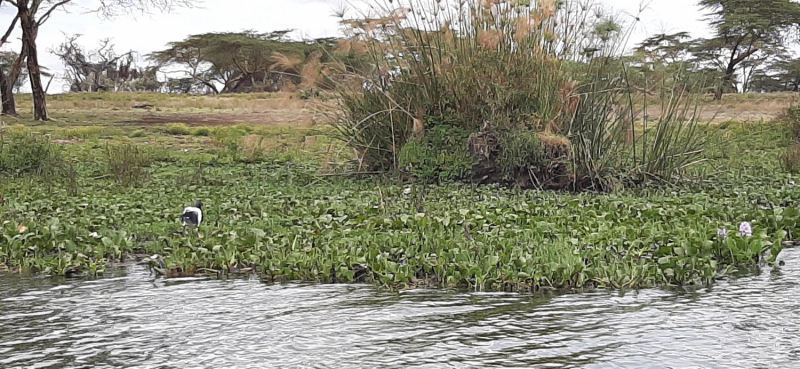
745,229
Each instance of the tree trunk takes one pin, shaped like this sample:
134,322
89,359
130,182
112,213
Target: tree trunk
727,81
8,83
29,30
725,84
239,83
7,90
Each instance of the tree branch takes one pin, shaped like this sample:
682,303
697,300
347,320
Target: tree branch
734,49
208,84
49,12
34,7
744,56
110,9
241,68
15,71
10,29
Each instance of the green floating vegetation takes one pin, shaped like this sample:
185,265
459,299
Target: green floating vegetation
281,220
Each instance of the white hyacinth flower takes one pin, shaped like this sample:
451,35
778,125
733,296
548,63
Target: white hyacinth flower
745,229
722,233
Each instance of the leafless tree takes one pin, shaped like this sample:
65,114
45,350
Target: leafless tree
101,69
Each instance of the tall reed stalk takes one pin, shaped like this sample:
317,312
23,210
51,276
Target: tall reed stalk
500,70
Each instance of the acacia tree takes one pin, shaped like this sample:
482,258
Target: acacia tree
236,62
744,28
781,75
788,71
34,13
762,61
658,59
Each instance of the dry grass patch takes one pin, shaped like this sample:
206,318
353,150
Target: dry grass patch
165,102
556,146
791,159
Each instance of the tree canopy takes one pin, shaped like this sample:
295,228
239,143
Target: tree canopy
743,29
241,61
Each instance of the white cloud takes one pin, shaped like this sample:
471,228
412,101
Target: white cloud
311,18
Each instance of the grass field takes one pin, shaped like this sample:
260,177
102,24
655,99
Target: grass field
262,164
144,109
288,109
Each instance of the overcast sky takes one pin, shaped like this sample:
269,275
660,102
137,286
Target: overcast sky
311,18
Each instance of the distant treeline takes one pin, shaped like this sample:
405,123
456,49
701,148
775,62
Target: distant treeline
210,63
242,62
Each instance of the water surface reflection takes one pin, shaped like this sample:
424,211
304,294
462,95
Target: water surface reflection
130,320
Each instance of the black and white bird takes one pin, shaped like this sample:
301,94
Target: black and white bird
192,215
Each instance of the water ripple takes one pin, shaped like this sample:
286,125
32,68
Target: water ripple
130,320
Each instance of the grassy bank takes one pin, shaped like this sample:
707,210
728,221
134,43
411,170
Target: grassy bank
129,110
269,211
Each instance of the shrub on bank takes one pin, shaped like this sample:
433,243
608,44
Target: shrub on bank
438,156
29,153
202,131
139,133
178,129
501,74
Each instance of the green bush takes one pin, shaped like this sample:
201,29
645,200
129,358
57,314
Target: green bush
508,72
475,76
414,154
29,153
441,155
139,133
177,129
224,134
202,131
519,150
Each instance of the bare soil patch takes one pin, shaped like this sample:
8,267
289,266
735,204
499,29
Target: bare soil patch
68,142
297,118
733,109
717,114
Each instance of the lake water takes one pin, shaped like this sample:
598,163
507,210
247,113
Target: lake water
130,319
